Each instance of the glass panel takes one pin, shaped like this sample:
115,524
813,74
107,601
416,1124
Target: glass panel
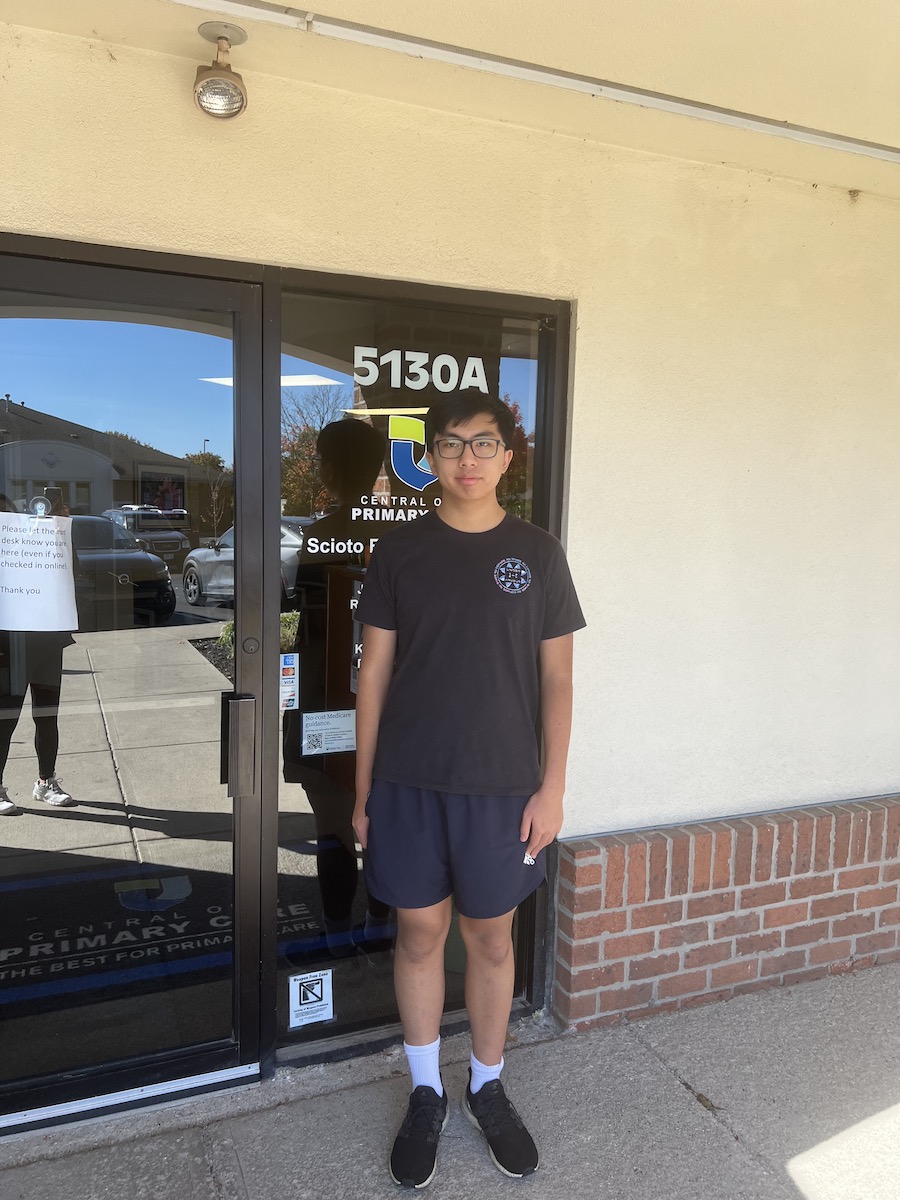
365,373
117,484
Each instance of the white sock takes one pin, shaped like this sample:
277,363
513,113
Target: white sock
424,1065
482,1074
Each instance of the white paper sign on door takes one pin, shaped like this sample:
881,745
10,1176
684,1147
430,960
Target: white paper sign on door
329,732
37,576
310,998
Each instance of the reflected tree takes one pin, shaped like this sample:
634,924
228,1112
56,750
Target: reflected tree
218,482
304,413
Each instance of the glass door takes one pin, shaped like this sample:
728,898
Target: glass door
130,684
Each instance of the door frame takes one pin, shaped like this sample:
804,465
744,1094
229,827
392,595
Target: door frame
258,431
215,1064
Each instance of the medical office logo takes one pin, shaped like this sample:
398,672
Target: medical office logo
512,575
408,461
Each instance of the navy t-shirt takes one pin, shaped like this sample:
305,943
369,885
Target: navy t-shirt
470,611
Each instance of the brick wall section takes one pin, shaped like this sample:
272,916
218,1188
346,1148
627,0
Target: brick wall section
658,920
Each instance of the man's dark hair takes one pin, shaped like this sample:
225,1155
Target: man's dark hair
459,408
353,453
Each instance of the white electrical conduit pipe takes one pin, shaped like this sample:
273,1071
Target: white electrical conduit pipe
310,22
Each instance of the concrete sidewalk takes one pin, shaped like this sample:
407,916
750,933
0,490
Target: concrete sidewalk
782,1095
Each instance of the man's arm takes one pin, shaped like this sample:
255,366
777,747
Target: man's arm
543,815
375,670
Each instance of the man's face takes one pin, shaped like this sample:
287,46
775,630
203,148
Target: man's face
470,478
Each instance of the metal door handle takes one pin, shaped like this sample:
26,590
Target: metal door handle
241,746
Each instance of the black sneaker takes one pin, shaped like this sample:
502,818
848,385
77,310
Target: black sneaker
511,1145
414,1156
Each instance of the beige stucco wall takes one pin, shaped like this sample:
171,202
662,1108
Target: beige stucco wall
732,493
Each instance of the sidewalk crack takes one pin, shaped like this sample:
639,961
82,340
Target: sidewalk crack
717,1113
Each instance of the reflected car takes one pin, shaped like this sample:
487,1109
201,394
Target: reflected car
116,577
208,572
159,532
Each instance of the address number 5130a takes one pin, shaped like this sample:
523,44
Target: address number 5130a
414,369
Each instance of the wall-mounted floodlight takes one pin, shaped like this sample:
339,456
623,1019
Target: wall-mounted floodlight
218,90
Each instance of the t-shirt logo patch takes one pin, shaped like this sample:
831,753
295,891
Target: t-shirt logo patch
512,575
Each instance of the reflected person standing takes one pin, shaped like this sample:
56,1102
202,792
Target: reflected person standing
33,660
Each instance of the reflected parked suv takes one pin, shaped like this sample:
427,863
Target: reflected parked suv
208,572
158,531
116,577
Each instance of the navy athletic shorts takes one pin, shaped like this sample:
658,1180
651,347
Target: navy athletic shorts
425,846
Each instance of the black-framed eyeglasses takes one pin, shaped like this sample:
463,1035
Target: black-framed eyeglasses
481,447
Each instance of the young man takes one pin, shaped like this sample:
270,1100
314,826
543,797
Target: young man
468,616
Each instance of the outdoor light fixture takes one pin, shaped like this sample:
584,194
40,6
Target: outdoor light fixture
218,90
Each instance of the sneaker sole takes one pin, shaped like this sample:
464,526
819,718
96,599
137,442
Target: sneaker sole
425,1182
499,1165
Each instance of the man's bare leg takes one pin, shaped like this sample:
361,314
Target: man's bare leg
490,976
419,970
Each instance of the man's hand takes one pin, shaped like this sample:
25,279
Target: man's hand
360,822
542,819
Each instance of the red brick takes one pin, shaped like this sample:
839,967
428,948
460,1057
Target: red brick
737,972
680,868
757,943
701,867
876,897
733,926
766,893
583,850
858,877
785,828
888,956
777,964
803,843
890,872
710,906
870,942
704,956
844,967
589,979
574,1008
758,985
722,855
706,998
594,1023
743,853
822,852
594,925
681,985
585,874
785,914
658,1010
807,975
849,926
890,916
659,867
584,954
763,851
831,906
565,896
628,945
830,952
683,935
614,868
859,835
657,914
843,823
649,968
875,844
618,999
892,831
805,935
812,885
636,859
